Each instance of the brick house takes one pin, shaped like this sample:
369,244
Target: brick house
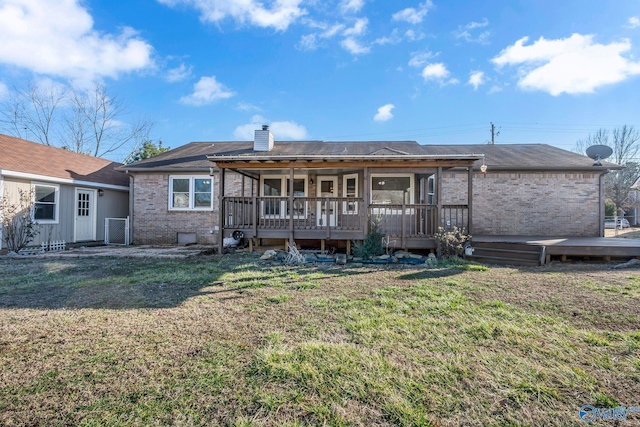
329,191
73,193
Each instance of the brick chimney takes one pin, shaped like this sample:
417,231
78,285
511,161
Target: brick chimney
263,139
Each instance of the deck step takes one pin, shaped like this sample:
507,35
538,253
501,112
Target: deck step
507,253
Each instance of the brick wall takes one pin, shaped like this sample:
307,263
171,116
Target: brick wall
529,204
154,223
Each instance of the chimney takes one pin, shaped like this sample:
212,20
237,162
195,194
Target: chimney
263,139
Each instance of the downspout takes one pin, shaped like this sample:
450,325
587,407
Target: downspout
131,202
601,215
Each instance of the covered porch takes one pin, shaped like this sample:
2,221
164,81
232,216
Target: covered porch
308,198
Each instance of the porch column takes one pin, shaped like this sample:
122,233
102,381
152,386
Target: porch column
470,201
221,211
291,212
438,195
366,198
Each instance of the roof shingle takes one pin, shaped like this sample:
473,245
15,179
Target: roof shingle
19,155
193,156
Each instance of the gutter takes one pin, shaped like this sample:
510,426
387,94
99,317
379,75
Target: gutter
347,157
135,170
47,178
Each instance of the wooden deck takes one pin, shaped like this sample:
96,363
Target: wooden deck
601,247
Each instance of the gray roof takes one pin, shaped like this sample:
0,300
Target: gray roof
194,156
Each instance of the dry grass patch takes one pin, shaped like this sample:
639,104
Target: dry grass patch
229,341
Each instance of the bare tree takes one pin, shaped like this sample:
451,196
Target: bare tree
90,122
95,123
30,113
625,143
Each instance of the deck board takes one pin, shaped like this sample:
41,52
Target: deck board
574,246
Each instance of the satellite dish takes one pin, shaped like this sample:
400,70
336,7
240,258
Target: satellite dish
599,152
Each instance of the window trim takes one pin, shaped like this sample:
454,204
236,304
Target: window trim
56,208
345,209
192,192
431,195
284,190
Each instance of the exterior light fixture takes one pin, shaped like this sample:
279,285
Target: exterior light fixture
483,168
101,192
211,171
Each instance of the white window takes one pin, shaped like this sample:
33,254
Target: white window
190,193
46,198
277,186
350,190
431,190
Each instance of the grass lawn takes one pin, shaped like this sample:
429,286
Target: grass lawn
229,341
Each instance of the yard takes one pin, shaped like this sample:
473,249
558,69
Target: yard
230,341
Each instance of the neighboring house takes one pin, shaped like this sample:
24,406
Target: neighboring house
329,191
73,193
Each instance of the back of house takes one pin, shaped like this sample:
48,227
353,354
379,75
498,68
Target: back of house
319,192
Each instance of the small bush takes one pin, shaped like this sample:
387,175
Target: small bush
451,242
18,225
372,244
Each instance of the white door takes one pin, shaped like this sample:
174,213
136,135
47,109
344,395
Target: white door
327,186
85,215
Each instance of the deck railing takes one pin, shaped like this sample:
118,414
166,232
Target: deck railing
339,213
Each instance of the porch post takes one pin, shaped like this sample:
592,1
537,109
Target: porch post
367,197
438,202
470,201
438,195
221,210
291,211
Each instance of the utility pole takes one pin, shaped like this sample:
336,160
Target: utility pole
493,133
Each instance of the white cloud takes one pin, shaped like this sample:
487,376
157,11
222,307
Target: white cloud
354,46
384,113
351,6
207,91
476,79
308,42
412,36
245,106
571,65
392,38
633,22
57,38
358,29
413,15
287,130
465,32
179,73
395,37
418,59
278,15
332,31
438,72
494,89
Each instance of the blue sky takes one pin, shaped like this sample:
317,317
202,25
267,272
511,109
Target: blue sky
433,71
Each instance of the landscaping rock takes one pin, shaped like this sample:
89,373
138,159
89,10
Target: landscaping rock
385,256
270,254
